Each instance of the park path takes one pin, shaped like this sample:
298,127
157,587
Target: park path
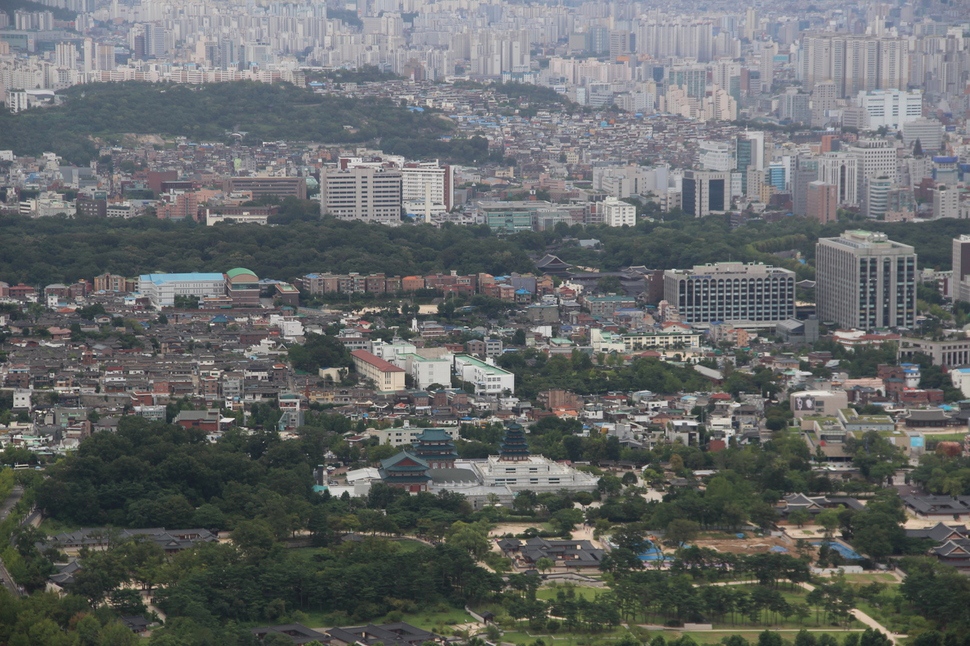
865,619
15,495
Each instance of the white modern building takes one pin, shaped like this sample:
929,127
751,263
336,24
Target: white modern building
487,378
732,292
406,435
865,281
425,371
716,155
890,108
842,170
619,214
929,132
946,202
533,473
427,189
162,289
369,194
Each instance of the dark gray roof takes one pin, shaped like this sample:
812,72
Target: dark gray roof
452,475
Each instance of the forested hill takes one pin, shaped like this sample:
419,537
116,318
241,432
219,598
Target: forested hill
212,112
61,250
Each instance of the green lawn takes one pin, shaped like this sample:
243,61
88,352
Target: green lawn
872,577
715,637
522,638
51,527
427,620
551,591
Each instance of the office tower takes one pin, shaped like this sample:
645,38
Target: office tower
959,287
823,101
716,155
805,171
731,292
154,41
929,133
877,158
705,192
427,189
865,281
370,194
766,65
890,108
750,154
841,169
822,202
946,202
794,105
875,201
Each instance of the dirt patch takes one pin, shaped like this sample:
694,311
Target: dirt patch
749,545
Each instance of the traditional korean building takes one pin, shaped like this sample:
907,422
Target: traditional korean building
405,471
514,447
435,446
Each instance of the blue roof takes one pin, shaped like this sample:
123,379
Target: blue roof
160,279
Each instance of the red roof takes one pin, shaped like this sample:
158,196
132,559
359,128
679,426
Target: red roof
374,360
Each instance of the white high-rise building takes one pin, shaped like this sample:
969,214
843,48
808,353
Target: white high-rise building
716,155
865,281
842,170
370,194
890,108
619,214
746,295
877,158
946,202
427,189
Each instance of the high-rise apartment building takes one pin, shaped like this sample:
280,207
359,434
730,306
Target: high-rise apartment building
746,295
427,188
370,194
866,281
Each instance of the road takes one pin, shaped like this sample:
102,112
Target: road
15,495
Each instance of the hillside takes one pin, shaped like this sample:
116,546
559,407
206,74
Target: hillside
213,112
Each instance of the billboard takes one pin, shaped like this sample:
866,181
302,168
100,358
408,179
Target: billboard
805,404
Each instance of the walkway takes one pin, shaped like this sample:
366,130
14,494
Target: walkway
15,495
866,620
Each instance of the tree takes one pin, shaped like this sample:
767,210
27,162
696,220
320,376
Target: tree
471,537
681,531
799,517
319,351
544,564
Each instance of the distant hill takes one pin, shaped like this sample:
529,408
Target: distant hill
9,6
264,112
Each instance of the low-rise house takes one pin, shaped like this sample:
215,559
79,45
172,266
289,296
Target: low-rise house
568,554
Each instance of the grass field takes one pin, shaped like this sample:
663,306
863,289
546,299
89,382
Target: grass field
871,577
51,527
551,591
429,620
715,636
